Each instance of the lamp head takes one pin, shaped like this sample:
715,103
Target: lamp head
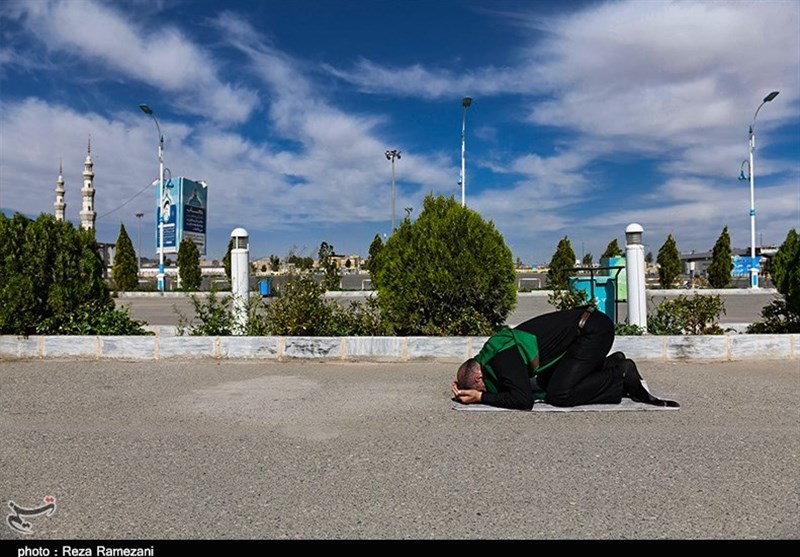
146,109
742,175
467,101
771,96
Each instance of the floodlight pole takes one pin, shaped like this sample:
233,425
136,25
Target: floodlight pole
392,155
465,102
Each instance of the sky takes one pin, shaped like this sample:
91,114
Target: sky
586,117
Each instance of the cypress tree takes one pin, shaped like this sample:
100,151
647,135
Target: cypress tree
612,250
785,270
125,271
330,279
669,263
562,261
189,265
719,271
274,263
226,260
374,251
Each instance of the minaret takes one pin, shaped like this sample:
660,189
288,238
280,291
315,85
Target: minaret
88,214
60,206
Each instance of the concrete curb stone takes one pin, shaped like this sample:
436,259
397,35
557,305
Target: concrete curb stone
377,349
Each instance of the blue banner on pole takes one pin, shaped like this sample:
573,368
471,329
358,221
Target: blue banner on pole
743,263
185,209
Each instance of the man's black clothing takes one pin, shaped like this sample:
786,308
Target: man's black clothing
573,360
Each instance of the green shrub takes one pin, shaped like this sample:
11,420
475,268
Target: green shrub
777,318
298,308
626,329
569,299
93,318
698,315
358,319
51,281
213,316
301,309
447,273
783,316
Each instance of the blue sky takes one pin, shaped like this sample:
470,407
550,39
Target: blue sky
586,116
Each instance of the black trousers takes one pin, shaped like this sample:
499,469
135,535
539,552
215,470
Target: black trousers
585,374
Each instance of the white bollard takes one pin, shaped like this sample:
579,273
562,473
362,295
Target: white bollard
634,264
240,276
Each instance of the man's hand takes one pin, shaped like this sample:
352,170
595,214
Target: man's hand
465,396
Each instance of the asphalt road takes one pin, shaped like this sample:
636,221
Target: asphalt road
330,451
741,306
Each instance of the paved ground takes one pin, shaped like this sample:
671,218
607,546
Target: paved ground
222,450
741,306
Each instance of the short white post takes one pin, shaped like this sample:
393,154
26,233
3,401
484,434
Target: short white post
634,263
240,277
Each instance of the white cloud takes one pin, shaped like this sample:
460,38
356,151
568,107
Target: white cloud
677,82
159,55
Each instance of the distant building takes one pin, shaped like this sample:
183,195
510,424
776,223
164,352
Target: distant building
696,263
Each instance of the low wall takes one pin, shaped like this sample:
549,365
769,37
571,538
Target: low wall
390,349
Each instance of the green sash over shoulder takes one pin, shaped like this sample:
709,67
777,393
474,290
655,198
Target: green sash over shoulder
503,339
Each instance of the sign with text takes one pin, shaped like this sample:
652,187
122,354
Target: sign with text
185,210
743,263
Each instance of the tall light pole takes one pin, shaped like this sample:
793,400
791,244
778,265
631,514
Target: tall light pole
466,102
139,216
753,268
392,155
147,110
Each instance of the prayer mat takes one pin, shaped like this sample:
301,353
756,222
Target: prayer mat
627,405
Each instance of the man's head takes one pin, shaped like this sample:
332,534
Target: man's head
470,376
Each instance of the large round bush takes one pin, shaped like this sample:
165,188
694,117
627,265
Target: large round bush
448,273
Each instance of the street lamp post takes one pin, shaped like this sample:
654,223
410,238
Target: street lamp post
139,268
753,268
147,110
466,102
392,155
